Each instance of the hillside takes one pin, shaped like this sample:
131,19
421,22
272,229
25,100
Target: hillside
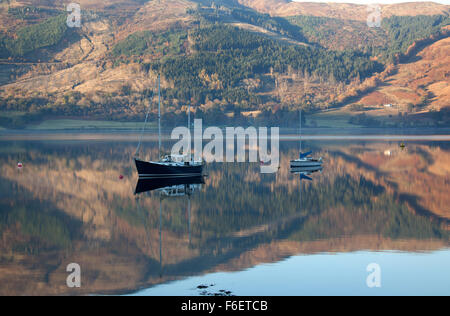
423,81
416,89
226,58
344,11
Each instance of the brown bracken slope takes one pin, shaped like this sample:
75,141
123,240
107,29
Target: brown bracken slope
425,76
344,11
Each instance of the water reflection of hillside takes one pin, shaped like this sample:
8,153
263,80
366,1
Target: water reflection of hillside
69,205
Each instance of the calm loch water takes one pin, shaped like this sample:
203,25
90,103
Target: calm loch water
238,233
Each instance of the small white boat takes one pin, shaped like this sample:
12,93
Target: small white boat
305,161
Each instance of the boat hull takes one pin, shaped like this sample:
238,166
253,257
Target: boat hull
154,170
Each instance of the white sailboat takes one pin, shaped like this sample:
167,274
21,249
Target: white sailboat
305,159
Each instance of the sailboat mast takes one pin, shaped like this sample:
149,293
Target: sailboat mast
159,114
189,128
189,218
300,131
189,116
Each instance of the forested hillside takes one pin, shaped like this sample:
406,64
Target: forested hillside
221,56
30,38
226,56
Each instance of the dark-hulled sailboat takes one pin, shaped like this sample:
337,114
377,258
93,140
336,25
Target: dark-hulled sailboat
169,166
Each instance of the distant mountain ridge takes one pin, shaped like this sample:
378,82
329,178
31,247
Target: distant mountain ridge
227,57
345,11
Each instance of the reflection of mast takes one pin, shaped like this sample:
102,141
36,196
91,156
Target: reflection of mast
160,238
304,173
146,225
172,192
189,217
170,188
300,184
189,127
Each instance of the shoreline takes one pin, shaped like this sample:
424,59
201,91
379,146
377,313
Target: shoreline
153,136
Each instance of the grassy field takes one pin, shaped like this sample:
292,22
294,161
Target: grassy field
18,120
10,114
64,124
322,120
332,119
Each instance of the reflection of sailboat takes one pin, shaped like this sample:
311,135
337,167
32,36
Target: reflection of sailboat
169,165
165,184
305,159
170,188
305,172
